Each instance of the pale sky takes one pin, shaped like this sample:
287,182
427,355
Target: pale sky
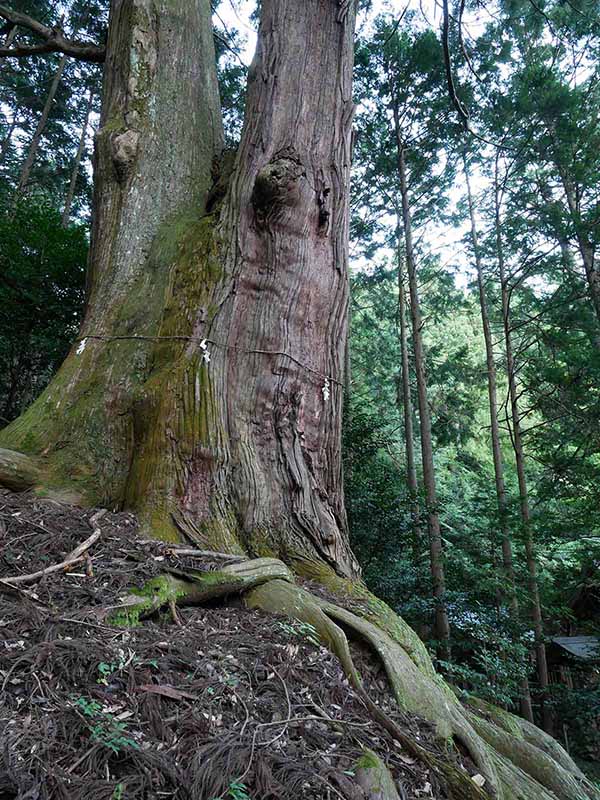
445,241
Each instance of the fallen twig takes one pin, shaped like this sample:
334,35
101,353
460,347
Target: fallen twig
17,590
73,558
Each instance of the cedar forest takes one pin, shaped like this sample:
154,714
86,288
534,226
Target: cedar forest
454,199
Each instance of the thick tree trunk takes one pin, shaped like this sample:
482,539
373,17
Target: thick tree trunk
405,395
66,215
534,594
159,132
505,534
41,126
228,426
230,423
256,455
442,627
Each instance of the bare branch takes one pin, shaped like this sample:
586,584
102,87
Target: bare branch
456,102
56,41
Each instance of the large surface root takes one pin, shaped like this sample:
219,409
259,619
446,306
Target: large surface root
288,599
375,779
516,759
515,767
192,587
17,471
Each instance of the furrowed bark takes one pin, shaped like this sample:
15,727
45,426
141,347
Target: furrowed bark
517,441
159,131
442,626
237,439
506,542
243,429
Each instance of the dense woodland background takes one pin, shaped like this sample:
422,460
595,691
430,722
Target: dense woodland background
522,120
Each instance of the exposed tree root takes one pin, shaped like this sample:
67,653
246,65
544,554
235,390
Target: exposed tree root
516,767
517,761
285,598
375,779
555,772
18,472
194,587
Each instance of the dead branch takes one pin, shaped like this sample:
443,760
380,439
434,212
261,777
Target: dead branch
55,40
74,557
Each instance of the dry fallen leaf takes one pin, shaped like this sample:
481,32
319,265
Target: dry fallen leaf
167,691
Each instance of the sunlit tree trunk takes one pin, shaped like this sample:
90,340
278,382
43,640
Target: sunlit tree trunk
66,215
505,534
517,441
442,626
40,128
405,395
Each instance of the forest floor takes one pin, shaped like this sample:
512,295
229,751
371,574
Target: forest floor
225,703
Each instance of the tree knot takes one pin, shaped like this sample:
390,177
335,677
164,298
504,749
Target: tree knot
124,151
277,185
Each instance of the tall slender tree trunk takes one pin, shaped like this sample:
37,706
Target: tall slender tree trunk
8,40
39,131
505,535
407,405
586,247
10,36
442,626
77,162
517,440
224,422
8,138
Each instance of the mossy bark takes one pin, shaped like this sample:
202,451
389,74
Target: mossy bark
18,472
517,760
374,778
237,439
159,131
244,449
205,388
194,587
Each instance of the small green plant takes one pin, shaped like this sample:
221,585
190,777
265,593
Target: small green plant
108,668
104,728
237,790
119,792
105,671
89,707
